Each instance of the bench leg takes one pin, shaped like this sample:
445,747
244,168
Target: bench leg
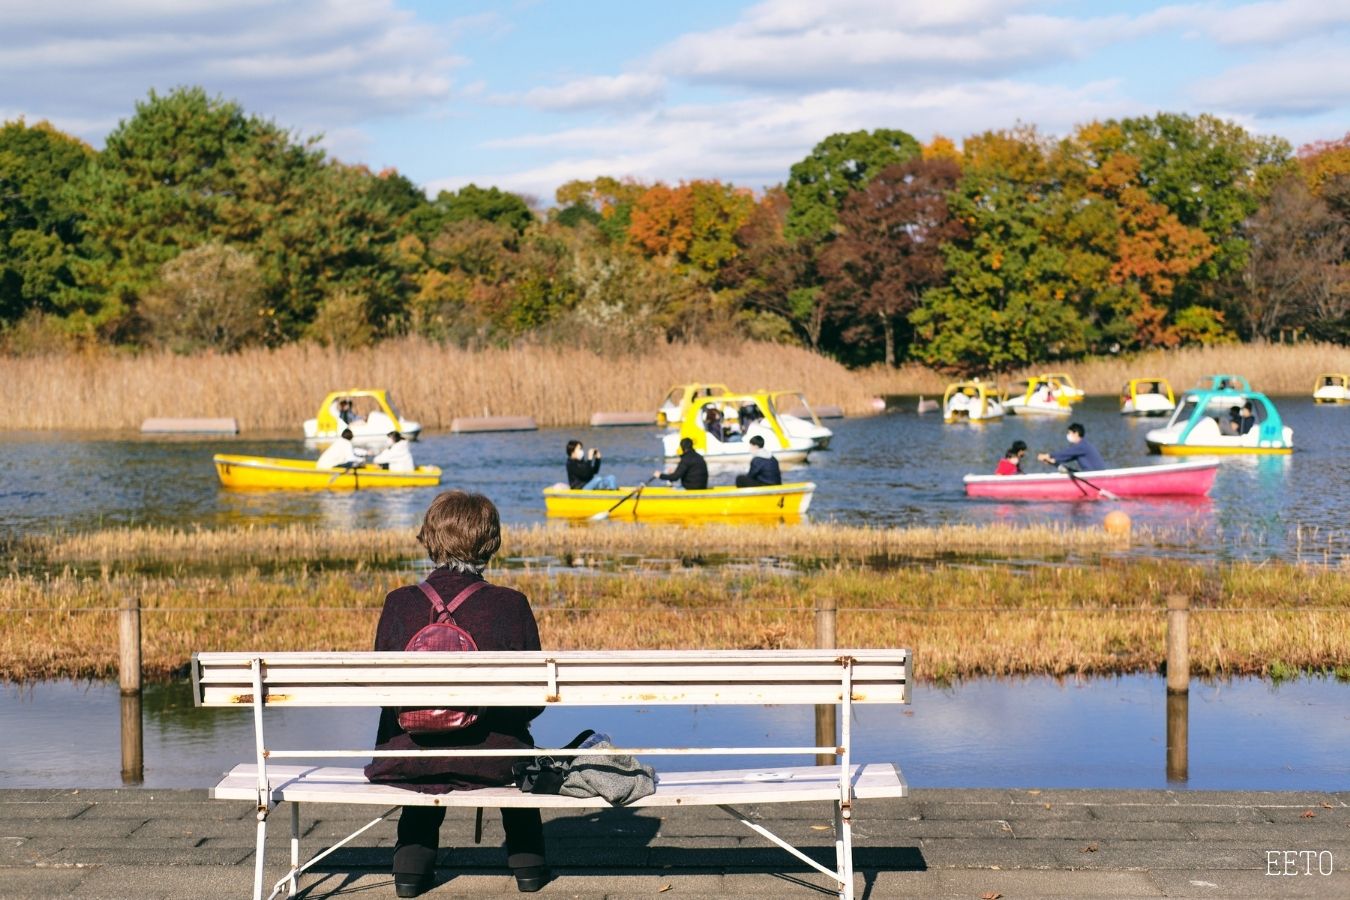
259,854
843,842
295,847
766,833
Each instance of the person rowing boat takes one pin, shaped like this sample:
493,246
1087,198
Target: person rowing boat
1079,450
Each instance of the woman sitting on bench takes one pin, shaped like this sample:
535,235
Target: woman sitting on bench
460,532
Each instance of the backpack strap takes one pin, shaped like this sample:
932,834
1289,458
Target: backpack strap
443,609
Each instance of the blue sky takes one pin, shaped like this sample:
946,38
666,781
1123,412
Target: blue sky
526,94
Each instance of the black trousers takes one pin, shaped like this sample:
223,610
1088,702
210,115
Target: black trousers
419,832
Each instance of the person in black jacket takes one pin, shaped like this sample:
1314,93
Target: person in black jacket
692,471
763,467
460,532
583,469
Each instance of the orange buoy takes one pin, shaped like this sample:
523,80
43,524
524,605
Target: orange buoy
1116,522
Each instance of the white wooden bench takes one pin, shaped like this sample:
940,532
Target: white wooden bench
578,678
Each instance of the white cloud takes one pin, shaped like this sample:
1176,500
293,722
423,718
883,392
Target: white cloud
791,43
753,142
600,92
1270,22
314,65
1308,81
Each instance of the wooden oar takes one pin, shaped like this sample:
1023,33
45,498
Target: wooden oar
1077,478
601,516
343,469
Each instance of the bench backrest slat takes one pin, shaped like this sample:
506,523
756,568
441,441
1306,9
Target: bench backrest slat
548,678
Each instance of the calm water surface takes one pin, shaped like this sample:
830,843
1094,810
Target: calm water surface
895,469
1245,734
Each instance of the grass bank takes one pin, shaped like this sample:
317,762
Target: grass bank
278,389
185,550
961,621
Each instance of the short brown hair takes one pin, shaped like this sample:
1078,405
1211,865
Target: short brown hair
461,530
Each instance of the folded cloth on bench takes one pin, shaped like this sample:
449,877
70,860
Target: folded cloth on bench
618,778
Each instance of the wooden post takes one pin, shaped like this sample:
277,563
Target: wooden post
133,744
1178,736
129,679
1178,644
129,646
826,715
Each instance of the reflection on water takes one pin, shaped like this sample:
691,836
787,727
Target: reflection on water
1036,732
897,469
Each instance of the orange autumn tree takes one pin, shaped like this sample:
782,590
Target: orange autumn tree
1152,249
692,226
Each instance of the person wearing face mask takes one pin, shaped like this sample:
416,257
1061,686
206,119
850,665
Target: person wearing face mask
396,456
1078,451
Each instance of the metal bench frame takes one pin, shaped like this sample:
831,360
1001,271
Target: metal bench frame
544,678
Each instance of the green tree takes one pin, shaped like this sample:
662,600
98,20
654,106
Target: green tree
188,170
472,202
1012,291
837,166
39,228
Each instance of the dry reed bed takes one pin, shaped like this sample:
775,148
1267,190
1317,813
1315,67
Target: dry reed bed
248,545
960,622
1278,369
279,388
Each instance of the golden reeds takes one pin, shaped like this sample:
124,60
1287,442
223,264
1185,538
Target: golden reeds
277,389
242,546
431,383
959,621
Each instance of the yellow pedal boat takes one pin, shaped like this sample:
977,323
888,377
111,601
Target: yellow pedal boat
779,501
302,475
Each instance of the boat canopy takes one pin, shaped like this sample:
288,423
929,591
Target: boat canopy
1206,412
1224,383
745,409
1137,386
378,399
683,396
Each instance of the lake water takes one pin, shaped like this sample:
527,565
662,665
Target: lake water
1244,734
895,469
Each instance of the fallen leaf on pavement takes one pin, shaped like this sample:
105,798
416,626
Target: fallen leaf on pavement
663,888
990,895
1033,793
1326,805
1090,848
1309,814
820,828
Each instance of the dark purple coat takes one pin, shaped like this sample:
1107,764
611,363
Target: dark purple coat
498,618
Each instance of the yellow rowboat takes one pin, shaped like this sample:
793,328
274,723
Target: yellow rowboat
302,475
779,501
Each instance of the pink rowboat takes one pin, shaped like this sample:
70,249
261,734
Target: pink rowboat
1191,479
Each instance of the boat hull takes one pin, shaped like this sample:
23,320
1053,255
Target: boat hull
1215,450
272,473
1189,479
1037,408
785,501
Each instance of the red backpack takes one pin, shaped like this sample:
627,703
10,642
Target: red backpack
441,635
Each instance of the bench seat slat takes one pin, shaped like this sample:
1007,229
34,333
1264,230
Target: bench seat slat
335,784
519,695
543,678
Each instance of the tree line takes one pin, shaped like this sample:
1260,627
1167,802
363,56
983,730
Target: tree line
200,226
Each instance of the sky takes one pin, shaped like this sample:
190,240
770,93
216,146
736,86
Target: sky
528,94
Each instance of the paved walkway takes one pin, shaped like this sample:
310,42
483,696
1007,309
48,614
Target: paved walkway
938,844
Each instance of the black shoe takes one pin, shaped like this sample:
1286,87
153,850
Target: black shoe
531,878
412,885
